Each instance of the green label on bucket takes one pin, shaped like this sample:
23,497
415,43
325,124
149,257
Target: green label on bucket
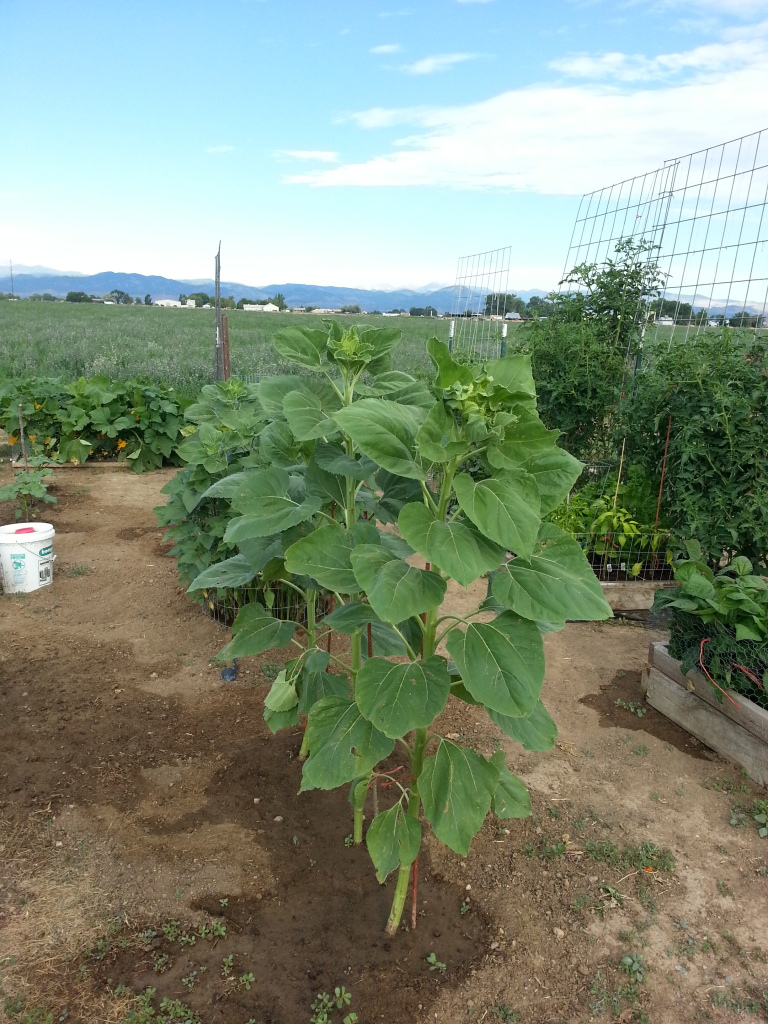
18,568
43,552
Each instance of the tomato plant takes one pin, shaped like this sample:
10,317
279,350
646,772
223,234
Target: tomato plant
712,392
356,447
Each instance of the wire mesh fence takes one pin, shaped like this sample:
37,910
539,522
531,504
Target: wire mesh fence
618,557
703,218
728,663
481,306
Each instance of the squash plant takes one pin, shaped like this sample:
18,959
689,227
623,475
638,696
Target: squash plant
358,446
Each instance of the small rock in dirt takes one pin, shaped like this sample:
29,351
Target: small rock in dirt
558,933
153,675
494,945
680,969
256,799
467,887
583,970
593,878
278,817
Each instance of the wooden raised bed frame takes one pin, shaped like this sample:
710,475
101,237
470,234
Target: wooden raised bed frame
739,733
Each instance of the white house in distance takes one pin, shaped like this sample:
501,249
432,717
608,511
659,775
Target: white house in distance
268,307
174,303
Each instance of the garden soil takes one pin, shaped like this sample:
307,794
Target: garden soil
139,790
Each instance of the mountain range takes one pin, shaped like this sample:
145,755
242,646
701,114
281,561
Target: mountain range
30,280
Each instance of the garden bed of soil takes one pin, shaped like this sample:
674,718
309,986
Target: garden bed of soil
137,790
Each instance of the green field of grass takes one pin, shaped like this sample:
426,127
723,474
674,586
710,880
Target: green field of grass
175,346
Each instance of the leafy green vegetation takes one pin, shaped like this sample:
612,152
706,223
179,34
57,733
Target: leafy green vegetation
165,346
303,484
28,487
95,418
720,623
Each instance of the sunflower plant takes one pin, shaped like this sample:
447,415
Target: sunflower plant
363,492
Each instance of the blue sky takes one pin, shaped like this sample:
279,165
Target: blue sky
355,142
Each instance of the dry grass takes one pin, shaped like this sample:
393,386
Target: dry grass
51,914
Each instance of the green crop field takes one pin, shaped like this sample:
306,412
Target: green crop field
174,346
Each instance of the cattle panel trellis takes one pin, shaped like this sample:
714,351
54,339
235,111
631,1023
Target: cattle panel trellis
478,327
703,218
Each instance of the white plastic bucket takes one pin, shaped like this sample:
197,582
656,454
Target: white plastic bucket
26,556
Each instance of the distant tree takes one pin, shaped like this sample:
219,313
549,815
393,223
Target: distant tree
126,300
417,311
147,300
539,306
743,319
308,309
501,303
182,299
118,297
350,309
376,312
718,318
279,301
200,298
77,297
249,302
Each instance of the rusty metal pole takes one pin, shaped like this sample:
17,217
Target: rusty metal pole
225,346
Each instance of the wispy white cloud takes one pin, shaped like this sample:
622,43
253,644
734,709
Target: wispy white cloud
219,149
323,156
438,62
570,138
387,48
741,46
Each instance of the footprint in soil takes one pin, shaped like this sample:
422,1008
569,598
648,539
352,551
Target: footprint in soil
625,687
322,924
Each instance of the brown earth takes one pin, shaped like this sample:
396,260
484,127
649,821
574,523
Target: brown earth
139,790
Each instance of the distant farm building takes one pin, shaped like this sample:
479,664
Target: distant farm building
267,307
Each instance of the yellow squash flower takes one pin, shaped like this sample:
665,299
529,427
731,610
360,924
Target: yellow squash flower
121,444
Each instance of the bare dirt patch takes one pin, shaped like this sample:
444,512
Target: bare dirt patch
128,778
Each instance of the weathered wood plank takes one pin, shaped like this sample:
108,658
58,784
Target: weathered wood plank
707,724
749,715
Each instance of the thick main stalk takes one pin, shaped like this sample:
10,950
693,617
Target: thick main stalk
403,875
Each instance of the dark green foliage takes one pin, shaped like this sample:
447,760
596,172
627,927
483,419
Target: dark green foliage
300,474
715,389
720,623
578,379
96,417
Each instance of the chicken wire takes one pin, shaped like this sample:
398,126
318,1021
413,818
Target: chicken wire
728,663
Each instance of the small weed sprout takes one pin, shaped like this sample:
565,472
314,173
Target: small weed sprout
245,981
172,931
227,966
634,965
435,964
504,1013
633,706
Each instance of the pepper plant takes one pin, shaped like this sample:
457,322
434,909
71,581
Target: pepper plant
357,447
